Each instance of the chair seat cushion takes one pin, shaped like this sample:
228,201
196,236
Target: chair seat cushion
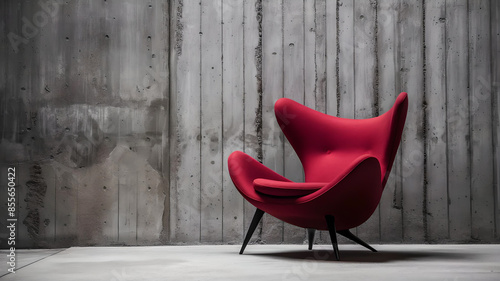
286,189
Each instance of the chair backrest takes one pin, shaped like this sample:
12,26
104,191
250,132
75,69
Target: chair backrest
326,144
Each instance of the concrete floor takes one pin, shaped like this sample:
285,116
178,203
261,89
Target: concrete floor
260,262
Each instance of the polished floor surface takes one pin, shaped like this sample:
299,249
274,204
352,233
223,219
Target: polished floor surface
260,262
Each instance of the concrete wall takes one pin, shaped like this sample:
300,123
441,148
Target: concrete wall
119,116
85,108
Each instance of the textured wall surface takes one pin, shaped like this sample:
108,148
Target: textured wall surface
119,116
84,101
346,58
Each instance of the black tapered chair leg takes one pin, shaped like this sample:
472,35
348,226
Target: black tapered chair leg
310,237
253,225
330,222
348,234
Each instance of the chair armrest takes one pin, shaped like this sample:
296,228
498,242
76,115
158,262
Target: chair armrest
244,169
366,165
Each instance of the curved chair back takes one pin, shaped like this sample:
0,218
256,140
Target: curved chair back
326,143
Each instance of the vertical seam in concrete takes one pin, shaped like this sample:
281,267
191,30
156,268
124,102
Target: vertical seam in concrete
471,156
446,117
244,111
376,98
283,91
304,52
397,82
165,233
315,59
169,127
243,138
222,113
258,51
353,72
118,181
137,210
179,28
494,116
258,62
337,66
326,57
283,76
424,131
4,98
201,118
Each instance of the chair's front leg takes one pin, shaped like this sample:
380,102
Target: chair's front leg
253,225
348,234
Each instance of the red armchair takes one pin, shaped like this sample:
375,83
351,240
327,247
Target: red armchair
346,165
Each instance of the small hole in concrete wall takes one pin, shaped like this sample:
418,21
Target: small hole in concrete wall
291,45
104,187
67,38
149,187
67,129
107,36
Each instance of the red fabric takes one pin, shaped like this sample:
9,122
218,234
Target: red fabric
286,188
353,157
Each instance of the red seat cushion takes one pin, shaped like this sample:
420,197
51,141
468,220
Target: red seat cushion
283,188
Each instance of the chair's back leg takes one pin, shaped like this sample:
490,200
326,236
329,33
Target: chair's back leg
253,225
330,222
310,237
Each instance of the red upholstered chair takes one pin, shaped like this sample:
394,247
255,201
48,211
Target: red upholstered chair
346,165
